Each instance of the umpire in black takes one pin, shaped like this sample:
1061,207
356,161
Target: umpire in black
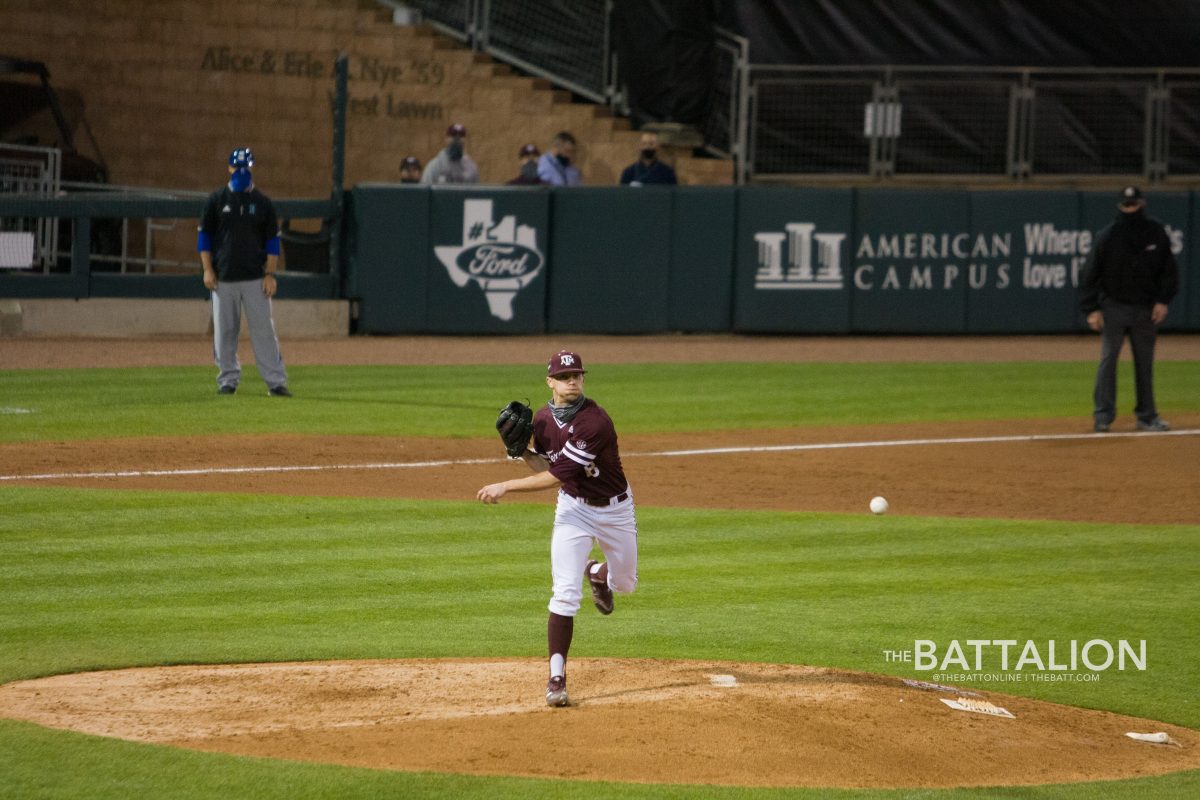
1130,279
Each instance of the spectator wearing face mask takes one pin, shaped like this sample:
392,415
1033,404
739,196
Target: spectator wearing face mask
528,174
452,164
410,170
648,169
555,166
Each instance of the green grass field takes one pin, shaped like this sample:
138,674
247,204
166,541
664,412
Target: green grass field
94,579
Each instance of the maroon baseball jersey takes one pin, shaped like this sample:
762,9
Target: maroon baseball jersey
582,453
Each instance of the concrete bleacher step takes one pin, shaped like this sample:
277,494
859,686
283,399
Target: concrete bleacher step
163,116
536,110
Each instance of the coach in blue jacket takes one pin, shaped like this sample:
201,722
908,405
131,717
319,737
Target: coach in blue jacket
240,227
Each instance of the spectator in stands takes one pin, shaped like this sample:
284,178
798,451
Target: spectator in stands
555,166
648,169
410,170
452,164
528,168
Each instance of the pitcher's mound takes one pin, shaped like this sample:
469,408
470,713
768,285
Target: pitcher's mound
631,720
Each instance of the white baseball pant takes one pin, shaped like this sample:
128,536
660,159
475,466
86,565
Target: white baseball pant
576,526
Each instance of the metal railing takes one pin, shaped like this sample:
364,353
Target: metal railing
37,172
146,236
725,133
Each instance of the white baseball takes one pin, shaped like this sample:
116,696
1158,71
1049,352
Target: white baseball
879,505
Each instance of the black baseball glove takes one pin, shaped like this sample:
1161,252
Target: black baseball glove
515,425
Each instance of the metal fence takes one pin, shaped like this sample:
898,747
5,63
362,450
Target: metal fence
877,121
35,172
566,41
728,116
895,121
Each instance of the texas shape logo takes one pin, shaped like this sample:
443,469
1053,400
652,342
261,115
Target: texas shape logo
501,257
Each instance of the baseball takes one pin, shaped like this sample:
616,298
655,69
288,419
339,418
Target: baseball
879,505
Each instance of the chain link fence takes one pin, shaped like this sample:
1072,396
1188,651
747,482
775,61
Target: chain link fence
567,41
809,126
1184,129
1089,128
951,127
974,122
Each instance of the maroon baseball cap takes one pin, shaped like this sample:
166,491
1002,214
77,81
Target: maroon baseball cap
457,129
529,150
410,161
563,362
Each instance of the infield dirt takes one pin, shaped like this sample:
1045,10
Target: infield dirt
632,720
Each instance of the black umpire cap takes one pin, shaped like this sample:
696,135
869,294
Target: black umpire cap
1131,196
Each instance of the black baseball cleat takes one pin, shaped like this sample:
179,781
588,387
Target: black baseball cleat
602,595
279,391
1101,427
556,692
228,388
1157,425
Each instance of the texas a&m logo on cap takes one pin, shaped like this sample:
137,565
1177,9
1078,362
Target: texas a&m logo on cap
564,361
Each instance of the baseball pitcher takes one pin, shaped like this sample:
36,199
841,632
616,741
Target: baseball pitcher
574,450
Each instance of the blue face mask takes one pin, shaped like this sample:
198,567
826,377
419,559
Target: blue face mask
241,179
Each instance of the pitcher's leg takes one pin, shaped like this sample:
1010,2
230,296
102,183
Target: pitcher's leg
227,324
618,540
569,549
262,335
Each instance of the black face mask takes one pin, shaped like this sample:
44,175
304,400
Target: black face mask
649,153
564,160
455,150
529,170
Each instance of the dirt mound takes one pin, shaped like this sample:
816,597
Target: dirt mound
686,722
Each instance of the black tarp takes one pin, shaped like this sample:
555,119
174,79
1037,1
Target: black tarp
1033,33
664,57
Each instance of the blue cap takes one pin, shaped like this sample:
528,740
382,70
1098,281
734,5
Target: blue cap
241,157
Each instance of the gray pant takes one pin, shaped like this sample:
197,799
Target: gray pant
228,301
1121,320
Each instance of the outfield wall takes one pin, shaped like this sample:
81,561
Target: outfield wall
499,260
750,259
